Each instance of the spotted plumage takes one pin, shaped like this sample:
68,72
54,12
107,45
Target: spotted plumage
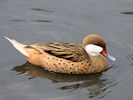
67,58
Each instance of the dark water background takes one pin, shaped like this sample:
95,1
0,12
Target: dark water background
31,21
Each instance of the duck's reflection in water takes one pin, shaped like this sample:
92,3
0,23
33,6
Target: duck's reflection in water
93,83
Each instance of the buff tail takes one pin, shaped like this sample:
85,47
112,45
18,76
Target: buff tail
20,47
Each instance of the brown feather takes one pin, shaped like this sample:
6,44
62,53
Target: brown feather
72,52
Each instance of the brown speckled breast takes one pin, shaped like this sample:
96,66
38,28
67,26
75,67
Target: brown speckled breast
95,65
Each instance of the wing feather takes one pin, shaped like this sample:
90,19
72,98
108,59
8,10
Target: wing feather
66,51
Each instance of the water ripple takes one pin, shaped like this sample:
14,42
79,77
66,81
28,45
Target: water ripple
40,9
36,20
94,84
39,20
127,13
18,20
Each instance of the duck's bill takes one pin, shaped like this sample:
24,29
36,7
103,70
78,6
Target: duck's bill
108,56
111,57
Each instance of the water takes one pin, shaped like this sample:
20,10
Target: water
31,21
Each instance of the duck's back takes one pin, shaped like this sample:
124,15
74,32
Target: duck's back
66,51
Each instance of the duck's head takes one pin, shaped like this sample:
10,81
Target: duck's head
94,45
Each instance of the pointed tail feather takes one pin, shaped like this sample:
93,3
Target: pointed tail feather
20,47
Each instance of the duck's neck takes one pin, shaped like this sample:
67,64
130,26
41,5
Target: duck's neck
99,63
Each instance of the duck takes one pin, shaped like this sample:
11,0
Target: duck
60,57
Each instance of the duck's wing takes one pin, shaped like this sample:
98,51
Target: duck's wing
72,52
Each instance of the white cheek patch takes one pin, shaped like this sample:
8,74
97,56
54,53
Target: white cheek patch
93,50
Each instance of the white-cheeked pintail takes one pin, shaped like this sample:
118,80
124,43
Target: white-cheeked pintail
61,57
